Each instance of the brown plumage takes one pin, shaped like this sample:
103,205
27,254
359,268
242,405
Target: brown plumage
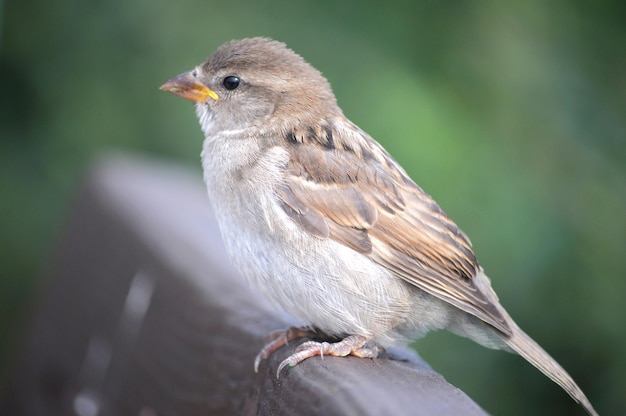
322,220
351,190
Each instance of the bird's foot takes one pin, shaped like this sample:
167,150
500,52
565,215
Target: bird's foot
352,345
278,339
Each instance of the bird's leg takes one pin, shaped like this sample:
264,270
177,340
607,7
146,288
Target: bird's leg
278,339
351,345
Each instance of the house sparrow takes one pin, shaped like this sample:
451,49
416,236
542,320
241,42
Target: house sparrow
318,216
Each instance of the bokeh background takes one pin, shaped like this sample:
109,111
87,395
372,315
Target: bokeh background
511,114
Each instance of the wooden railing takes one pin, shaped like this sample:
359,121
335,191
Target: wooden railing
140,313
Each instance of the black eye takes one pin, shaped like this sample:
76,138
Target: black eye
231,82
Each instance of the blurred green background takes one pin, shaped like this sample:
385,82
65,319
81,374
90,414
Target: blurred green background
511,114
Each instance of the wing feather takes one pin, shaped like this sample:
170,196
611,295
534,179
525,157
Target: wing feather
341,184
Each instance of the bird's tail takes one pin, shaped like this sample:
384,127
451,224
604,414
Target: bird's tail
533,353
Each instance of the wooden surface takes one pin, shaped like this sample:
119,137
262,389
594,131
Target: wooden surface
140,313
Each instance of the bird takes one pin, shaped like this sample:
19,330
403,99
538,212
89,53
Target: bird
322,220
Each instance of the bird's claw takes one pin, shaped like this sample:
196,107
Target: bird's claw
278,339
352,345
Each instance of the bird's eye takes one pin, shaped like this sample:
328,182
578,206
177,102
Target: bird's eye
231,82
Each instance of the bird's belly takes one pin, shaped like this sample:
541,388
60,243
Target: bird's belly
321,282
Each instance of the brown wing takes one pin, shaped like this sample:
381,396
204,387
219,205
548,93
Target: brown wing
386,216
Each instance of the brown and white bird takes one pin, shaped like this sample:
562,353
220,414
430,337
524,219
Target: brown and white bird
327,224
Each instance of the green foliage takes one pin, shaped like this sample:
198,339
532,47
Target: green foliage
511,114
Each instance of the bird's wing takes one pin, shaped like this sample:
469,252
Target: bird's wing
341,184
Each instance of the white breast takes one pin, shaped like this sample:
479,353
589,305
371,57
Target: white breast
319,282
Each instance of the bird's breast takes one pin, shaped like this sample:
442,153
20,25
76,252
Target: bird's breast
319,281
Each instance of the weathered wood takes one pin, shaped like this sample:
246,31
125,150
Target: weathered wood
141,314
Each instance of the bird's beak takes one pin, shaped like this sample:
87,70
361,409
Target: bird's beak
188,87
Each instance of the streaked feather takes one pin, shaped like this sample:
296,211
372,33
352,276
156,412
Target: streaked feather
340,184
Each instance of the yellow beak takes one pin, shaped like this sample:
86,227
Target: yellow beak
185,85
